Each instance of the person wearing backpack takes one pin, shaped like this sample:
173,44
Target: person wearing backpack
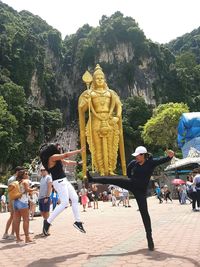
10,219
21,208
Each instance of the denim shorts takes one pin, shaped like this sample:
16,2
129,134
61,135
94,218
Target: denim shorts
18,205
44,207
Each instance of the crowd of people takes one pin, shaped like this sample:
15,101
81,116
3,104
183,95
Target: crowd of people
188,192
90,196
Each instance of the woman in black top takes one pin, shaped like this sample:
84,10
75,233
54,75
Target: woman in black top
139,172
52,161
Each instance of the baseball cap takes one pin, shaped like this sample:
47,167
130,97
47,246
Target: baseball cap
139,150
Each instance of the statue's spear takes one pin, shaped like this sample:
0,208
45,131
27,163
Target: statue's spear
87,78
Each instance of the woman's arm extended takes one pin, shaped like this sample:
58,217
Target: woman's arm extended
66,162
56,157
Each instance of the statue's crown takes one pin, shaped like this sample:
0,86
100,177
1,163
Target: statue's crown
98,70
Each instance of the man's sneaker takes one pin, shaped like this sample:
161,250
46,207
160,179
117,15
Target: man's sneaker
46,226
79,226
5,236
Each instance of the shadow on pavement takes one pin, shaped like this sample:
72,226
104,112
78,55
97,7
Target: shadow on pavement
6,241
151,255
15,245
9,244
53,261
40,236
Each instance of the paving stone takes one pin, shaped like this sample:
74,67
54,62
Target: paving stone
115,237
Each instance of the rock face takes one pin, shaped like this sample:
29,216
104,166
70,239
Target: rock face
68,87
35,97
123,52
143,77
137,82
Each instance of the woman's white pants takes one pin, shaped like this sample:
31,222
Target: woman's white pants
65,192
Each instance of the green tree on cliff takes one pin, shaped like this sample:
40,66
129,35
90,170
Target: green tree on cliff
161,129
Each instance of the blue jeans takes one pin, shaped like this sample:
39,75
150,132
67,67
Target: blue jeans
18,205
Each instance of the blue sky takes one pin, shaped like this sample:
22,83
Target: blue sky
161,20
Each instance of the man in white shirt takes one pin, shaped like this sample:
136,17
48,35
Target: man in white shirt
44,193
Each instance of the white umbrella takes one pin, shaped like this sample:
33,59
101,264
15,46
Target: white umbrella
3,186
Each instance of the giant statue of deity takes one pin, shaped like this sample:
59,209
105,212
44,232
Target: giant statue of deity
103,130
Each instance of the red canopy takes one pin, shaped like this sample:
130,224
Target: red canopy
178,181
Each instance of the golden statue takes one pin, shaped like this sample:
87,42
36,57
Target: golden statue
103,131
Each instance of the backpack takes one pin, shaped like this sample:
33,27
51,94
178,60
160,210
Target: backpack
14,190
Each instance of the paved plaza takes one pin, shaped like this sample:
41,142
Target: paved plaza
115,237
